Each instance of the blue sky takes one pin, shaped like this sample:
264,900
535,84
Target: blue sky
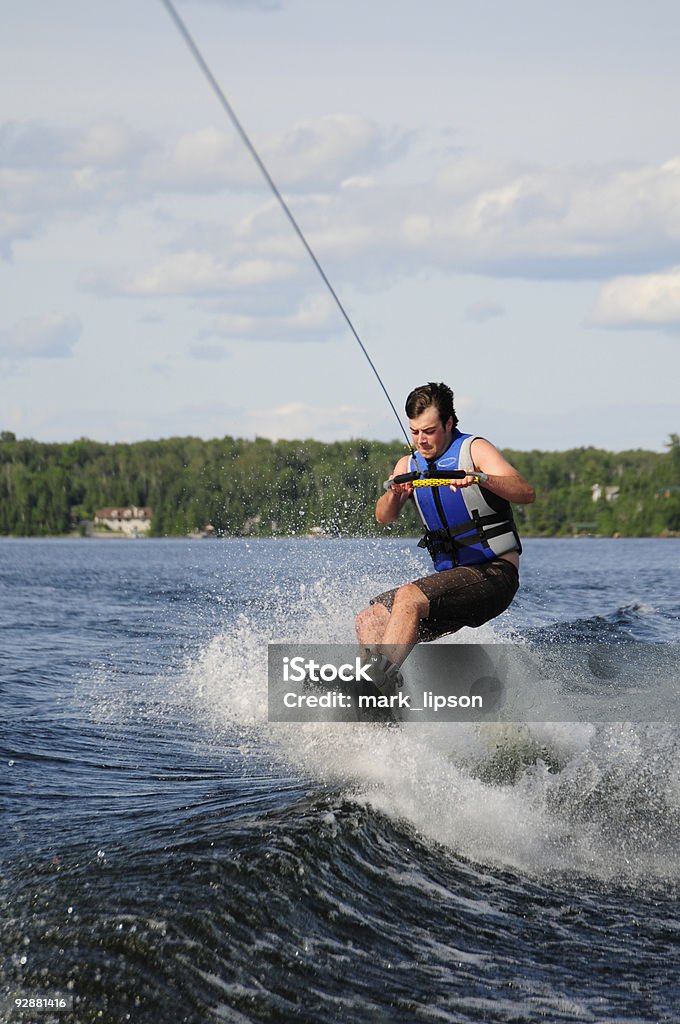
493,188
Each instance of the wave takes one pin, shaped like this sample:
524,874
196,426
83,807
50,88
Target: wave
635,622
599,800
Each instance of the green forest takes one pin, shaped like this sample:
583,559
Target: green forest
265,488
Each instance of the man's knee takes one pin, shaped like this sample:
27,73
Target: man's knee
375,615
367,615
411,597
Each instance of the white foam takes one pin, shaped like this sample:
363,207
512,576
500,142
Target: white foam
572,800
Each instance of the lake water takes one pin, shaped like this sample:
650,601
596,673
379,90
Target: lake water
168,855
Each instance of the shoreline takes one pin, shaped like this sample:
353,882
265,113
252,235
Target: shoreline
314,537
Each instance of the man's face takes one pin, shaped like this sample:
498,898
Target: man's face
429,436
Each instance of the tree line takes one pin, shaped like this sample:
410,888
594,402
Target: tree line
266,488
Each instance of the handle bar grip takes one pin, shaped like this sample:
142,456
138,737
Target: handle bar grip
444,474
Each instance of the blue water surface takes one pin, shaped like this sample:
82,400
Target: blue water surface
168,855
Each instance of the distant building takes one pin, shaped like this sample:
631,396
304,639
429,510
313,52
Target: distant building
131,520
608,493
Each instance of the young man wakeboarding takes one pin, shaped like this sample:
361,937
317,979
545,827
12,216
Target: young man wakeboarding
469,532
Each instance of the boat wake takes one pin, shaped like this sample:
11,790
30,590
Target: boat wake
594,799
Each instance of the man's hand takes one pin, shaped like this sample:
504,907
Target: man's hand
390,504
400,488
465,481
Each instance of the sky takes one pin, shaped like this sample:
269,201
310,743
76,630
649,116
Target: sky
492,188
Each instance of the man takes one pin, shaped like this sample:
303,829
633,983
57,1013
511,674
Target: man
470,534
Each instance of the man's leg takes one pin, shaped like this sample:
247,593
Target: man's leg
396,631
370,624
465,596
401,632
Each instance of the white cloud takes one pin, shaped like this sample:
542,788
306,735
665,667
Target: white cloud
296,420
50,172
475,214
332,148
190,273
310,155
120,164
538,224
54,150
206,158
577,222
109,142
315,318
358,181
469,175
647,300
116,420
51,336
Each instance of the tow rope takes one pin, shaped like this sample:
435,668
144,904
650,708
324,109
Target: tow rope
229,110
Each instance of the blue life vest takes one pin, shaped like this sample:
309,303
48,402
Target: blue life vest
464,527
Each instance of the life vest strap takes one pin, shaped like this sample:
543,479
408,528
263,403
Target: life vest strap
480,530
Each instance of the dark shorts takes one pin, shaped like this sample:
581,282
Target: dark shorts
468,595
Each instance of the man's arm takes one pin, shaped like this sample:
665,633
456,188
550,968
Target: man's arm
390,504
503,479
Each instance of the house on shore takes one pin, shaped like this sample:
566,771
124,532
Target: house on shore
132,521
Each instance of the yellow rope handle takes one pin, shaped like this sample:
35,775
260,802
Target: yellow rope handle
434,481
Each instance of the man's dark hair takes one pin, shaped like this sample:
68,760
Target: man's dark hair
439,395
